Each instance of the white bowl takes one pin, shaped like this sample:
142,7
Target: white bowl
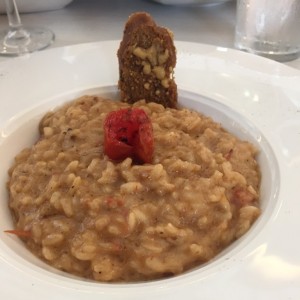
188,2
22,132
264,264
26,6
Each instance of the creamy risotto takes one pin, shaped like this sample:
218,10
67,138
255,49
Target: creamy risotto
119,221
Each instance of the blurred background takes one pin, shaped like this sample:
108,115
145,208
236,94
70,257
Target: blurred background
81,21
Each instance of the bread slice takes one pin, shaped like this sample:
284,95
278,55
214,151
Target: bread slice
147,58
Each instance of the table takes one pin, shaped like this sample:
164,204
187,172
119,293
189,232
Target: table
85,21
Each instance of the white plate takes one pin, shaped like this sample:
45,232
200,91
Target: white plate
191,2
255,97
29,6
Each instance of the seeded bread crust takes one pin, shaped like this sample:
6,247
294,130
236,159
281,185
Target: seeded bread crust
147,58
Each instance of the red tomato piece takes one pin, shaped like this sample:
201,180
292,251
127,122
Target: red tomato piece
128,133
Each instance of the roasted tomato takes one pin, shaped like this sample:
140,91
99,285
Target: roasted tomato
128,133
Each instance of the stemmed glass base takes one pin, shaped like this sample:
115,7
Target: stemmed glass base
18,41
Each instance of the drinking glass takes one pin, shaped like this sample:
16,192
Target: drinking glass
269,28
18,39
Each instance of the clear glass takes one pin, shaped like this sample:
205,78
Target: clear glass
17,39
269,28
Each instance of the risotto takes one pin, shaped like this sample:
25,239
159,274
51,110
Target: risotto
118,221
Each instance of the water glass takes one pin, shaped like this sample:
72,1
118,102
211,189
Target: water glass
269,28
